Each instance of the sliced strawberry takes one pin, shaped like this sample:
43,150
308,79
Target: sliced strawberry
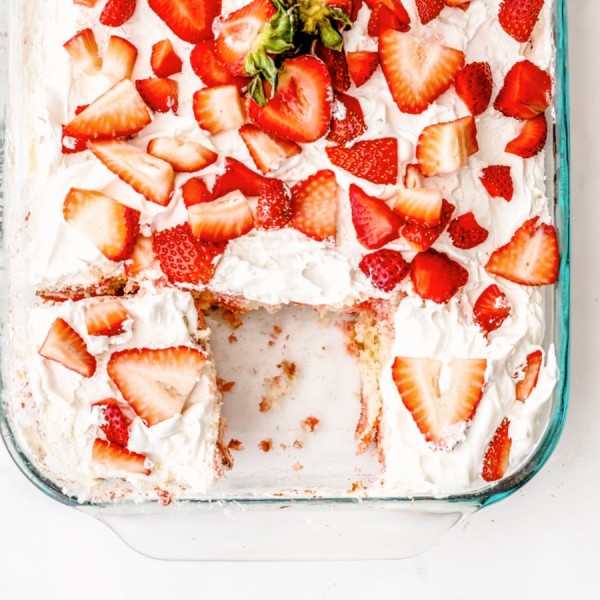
436,276
72,145
491,309
388,14
183,156
495,462
531,140
466,233
315,206
445,147
337,65
348,120
238,176
373,160
190,20
194,191
65,346
419,205
518,17
362,65
527,379
221,220
119,59
119,112
236,32
147,175
421,237
118,458
526,92
105,318
109,225
497,181
429,9
117,12
300,110
530,258
182,258
474,86
83,50
417,71
157,383
266,150
160,94
374,221
164,60
209,110
142,257
206,65
441,416
274,208
412,177
116,425
385,268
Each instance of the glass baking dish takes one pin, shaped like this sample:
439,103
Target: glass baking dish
286,527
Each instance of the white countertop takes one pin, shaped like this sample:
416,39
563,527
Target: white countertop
543,541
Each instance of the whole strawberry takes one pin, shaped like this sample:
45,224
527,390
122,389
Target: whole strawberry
385,268
117,12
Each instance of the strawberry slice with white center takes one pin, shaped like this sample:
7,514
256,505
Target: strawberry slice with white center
436,276
491,309
442,415
497,181
223,219
119,112
527,378
315,206
119,59
164,60
184,156
106,223
105,317
190,20
496,459
362,65
147,175
142,258
160,94
205,64
531,257
219,108
445,147
420,205
422,237
300,110
267,151
83,50
518,17
156,383
118,458
238,176
65,346
532,138
417,71
116,425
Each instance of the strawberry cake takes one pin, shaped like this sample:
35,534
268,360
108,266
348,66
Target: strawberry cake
382,160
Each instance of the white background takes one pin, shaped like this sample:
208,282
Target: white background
542,542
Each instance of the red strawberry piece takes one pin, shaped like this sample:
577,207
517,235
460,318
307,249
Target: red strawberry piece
109,225
374,221
518,17
267,151
491,309
160,94
236,33
388,14
119,59
117,12
147,175
208,108
83,50
445,147
156,383
205,64
164,59
116,425
142,257
440,417
238,176
419,205
182,258
118,458
466,233
526,91
221,220
495,462
497,181
119,112
436,276
528,377
274,209
194,191
348,120
72,145
105,317
373,160
530,258
385,268
87,3
532,138
346,6
315,205
421,237
337,65
190,20
429,9
361,66
65,346
417,71
183,156
300,110
474,86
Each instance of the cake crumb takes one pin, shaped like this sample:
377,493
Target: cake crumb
225,386
235,445
288,368
232,339
298,444
277,386
266,445
233,319
164,498
297,466
310,424
357,486
283,446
